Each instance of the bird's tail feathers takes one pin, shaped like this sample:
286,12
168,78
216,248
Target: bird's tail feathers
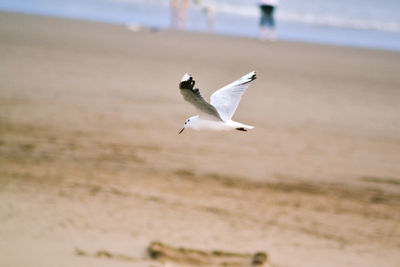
241,125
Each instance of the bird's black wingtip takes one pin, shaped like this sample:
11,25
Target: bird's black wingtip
187,82
248,77
254,76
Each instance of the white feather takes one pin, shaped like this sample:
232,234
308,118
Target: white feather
227,99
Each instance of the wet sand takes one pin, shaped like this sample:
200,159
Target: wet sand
90,158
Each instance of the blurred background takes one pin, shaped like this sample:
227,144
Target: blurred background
92,169
370,23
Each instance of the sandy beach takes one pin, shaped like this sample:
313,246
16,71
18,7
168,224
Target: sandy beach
92,169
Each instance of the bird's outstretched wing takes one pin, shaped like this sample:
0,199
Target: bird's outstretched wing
193,96
227,99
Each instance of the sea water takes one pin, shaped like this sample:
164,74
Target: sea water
362,23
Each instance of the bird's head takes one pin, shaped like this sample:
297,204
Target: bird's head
189,123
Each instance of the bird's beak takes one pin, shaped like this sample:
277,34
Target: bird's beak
181,130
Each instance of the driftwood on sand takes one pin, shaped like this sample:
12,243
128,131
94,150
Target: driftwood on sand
193,257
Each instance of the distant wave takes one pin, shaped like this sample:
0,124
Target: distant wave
310,18
358,24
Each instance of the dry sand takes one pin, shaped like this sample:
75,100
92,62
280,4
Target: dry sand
92,168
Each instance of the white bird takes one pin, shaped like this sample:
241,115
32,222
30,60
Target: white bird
223,103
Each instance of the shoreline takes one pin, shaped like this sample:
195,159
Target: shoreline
307,39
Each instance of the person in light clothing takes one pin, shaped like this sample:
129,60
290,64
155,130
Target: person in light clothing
267,21
179,14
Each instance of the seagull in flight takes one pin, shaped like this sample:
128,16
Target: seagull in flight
216,115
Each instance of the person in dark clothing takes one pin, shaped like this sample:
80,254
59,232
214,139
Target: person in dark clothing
267,21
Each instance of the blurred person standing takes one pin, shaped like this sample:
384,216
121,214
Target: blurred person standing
179,13
209,9
267,20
